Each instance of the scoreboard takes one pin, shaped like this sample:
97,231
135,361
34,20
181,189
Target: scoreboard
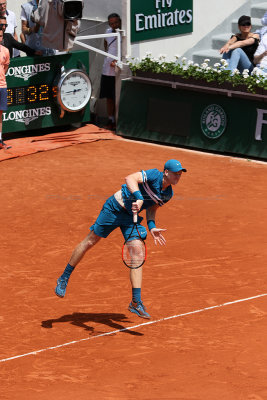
33,92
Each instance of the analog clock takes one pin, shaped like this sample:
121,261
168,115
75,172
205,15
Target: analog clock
74,90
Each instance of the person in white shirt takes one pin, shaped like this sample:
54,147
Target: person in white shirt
260,56
32,31
263,30
11,23
107,86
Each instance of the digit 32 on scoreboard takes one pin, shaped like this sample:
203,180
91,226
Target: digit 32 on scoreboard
31,94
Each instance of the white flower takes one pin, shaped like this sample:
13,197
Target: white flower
255,71
207,60
223,62
190,63
148,53
177,56
204,65
236,71
245,71
217,65
184,59
196,65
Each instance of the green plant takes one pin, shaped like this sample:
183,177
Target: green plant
188,69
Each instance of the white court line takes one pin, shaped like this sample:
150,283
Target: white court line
132,327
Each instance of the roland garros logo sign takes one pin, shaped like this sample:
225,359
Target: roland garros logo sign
213,121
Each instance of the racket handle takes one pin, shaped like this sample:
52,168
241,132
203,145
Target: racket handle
135,216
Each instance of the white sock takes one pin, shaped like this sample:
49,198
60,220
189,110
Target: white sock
0,136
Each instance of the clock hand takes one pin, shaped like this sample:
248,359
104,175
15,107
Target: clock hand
74,91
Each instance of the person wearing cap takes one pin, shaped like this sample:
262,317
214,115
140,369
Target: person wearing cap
240,48
144,190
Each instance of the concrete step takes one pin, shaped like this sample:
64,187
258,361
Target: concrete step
256,24
258,10
219,40
212,54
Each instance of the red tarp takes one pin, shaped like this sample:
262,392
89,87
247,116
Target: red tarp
29,145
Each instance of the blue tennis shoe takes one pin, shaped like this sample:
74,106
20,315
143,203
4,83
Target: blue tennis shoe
139,309
61,287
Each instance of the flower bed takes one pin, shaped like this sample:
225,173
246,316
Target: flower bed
185,71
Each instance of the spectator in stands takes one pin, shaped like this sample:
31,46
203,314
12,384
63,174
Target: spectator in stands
4,63
22,38
240,48
10,43
11,22
31,30
260,57
263,30
107,86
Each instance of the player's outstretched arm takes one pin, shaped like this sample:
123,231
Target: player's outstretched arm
156,233
132,181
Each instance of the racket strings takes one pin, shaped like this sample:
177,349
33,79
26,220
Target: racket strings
134,253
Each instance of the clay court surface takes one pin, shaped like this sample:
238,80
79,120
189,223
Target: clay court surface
88,345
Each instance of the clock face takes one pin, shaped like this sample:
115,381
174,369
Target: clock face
74,90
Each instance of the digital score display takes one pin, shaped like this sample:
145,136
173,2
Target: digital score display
30,94
33,92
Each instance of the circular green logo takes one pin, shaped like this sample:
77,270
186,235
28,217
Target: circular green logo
213,121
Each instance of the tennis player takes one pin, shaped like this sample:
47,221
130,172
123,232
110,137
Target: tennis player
148,190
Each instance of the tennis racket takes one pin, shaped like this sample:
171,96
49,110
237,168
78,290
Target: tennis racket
134,248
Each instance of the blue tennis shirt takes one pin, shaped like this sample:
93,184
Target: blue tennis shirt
151,189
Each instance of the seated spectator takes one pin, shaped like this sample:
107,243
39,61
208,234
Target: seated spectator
10,43
263,30
264,20
260,57
240,48
31,30
11,22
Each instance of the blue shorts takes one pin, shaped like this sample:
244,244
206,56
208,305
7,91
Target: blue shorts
3,99
113,216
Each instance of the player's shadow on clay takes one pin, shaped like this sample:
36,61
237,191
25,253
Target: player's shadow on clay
82,319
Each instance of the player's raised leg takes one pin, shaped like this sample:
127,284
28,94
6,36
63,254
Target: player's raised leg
136,306
78,253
